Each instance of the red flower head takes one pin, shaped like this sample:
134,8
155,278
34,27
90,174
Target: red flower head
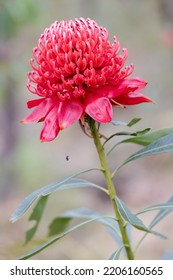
78,73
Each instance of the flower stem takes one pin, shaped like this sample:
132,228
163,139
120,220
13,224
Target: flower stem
111,187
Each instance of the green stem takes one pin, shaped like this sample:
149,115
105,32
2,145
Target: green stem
111,188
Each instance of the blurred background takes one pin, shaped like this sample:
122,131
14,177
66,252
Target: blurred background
145,28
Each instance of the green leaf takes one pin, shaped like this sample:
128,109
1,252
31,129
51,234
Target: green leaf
126,133
121,133
129,217
116,254
162,213
133,219
81,213
58,225
52,240
140,132
163,145
61,184
133,121
84,213
148,138
142,137
57,237
165,206
36,216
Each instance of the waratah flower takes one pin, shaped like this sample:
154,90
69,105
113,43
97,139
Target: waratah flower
79,73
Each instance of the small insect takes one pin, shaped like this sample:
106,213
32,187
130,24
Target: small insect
67,158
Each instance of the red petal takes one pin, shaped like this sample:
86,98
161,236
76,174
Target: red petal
129,85
132,98
69,112
35,102
51,127
41,110
125,86
99,108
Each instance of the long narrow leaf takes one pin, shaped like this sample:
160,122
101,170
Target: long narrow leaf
61,184
84,213
163,145
51,241
138,139
149,138
133,219
165,206
144,140
128,216
162,213
131,123
56,238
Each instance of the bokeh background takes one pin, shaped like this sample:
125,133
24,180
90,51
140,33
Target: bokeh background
145,28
